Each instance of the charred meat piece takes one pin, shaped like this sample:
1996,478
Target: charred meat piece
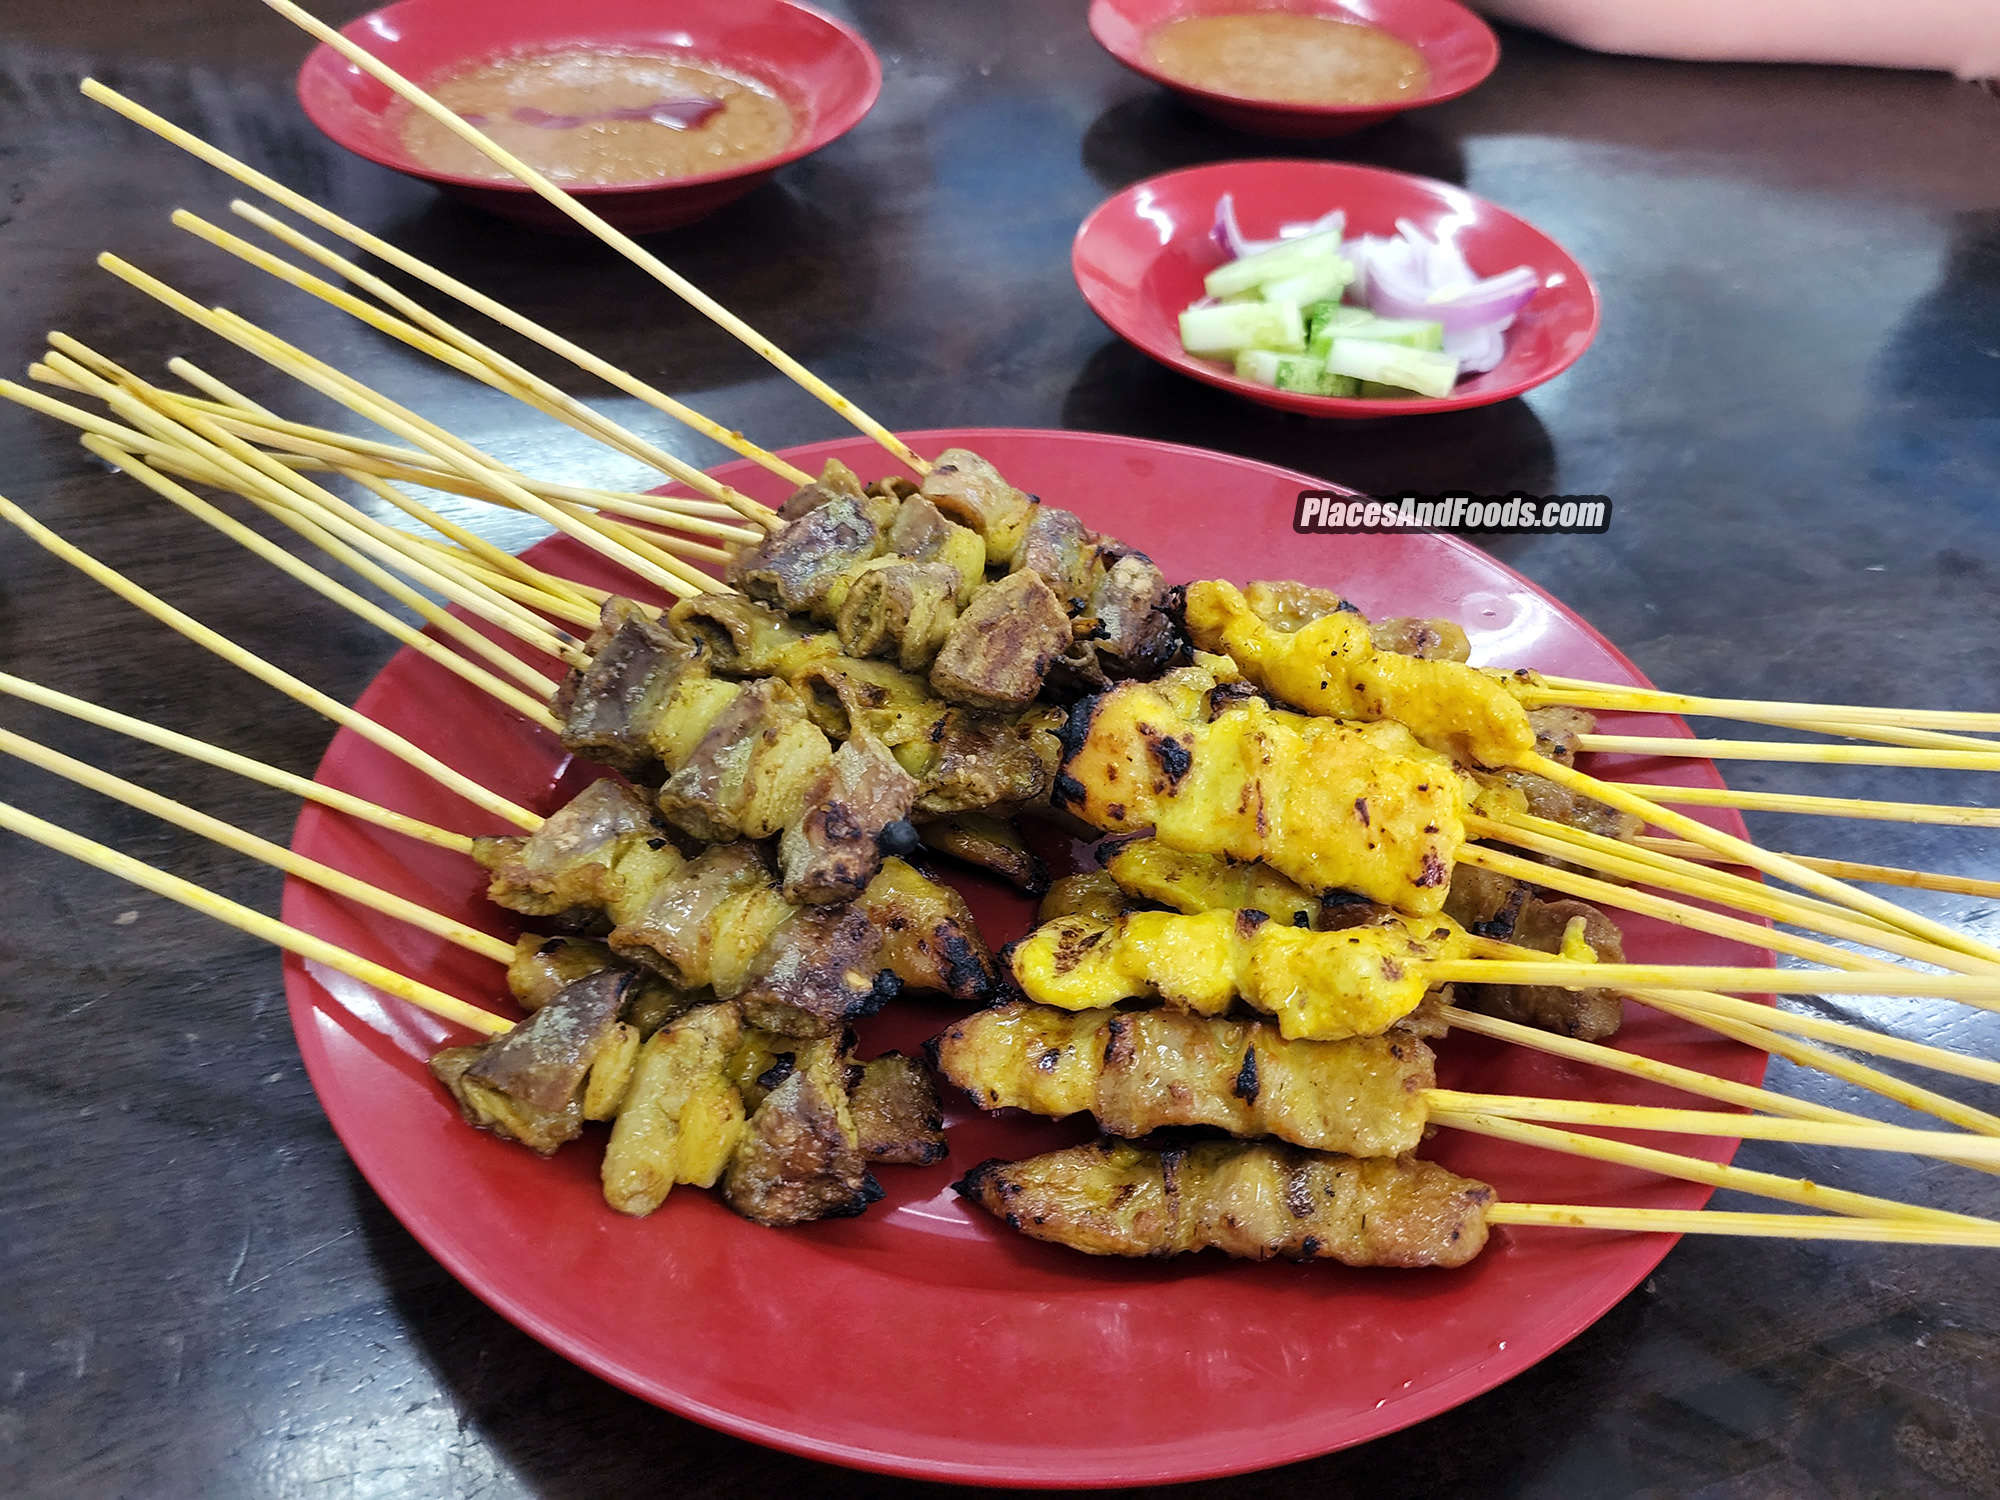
1286,605
608,706
847,698
1142,1071
1542,798
921,533
1093,894
835,480
1556,730
899,609
804,569
800,1156
834,847
1062,550
750,774
970,491
1433,640
1132,630
819,970
897,1116
1498,906
740,637
1254,1200
528,1084
1000,648
681,1119
926,934
544,967
989,843
590,853
705,925
975,759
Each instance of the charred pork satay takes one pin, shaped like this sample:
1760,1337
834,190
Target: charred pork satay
740,637
1505,793
1142,1071
1354,807
544,967
605,847
1321,986
1254,1200
530,1084
896,1112
1286,605
800,1156
721,923
1000,647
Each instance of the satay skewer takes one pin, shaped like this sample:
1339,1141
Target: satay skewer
263,850
1862,809
229,760
410,265
575,210
292,687
1786,750
1578,693
1845,869
1758,1226
424,331
246,919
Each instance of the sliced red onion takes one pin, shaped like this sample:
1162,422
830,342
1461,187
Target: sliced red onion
1228,234
1478,349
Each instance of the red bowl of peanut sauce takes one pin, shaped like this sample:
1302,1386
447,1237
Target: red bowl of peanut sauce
655,115
1300,68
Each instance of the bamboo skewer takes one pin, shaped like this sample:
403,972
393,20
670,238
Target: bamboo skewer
1703,1012
1946,1145
1814,806
1756,1226
533,710
1679,914
1845,869
1973,989
283,681
382,250
231,837
1784,869
1693,1169
1782,750
459,455
243,918
229,760
233,464
574,209
1579,693
427,333
1745,895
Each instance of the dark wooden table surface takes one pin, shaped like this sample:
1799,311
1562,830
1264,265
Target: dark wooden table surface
1795,404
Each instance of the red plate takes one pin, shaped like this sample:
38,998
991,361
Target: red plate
1140,258
825,73
924,1338
1459,49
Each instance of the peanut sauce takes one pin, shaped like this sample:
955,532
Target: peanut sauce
1290,59
596,118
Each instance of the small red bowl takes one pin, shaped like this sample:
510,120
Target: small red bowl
824,72
1140,259
1458,47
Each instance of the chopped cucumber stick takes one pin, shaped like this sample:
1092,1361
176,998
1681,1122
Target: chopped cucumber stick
1224,331
1421,370
1288,259
1318,282
1291,372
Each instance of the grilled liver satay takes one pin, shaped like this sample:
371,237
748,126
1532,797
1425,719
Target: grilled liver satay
1255,1200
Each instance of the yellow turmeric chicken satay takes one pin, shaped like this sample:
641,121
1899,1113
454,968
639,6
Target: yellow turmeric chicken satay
1320,986
1332,666
1336,807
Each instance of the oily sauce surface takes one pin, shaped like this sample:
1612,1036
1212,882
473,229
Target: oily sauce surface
1290,59
597,117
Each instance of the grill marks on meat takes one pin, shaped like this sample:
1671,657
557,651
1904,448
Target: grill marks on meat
800,1156
896,1112
1001,645
1142,1071
590,853
1254,1200
607,705
989,843
1501,907
833,849
751,772
804,568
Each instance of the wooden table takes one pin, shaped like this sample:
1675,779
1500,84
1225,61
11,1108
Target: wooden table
1794,403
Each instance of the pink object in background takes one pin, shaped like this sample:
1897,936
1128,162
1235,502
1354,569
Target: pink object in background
1957,36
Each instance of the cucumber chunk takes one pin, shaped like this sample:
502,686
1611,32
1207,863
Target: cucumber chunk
1291,372
1421,370
1288,259
1225,331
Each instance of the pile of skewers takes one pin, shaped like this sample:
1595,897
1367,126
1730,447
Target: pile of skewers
1337,825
